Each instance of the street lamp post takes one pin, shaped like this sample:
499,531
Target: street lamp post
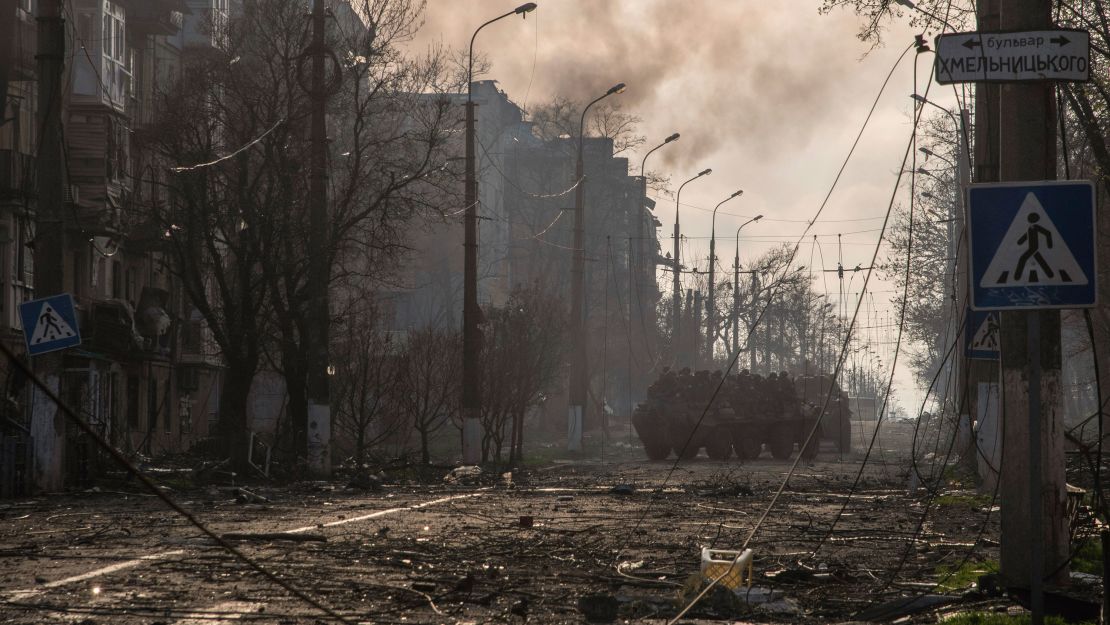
642,245
643,271
676,318
909,4
711,313
472,340
736,287
953,289
579,372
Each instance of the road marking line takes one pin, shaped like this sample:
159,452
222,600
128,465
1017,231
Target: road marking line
15,595
23,594
380,513
220,613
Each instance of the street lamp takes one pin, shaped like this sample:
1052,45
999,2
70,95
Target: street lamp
960,124
579,375
472,340
711,316
643,163
912,6
929,153
643,200
641,252
736,289
676,318
962,176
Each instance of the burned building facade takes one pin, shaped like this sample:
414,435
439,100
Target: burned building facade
526,186
146,374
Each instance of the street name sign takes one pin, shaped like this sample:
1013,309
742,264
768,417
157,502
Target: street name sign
49,324
983,338
1032,55
1032,245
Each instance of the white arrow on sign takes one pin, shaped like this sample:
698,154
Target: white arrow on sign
1062,55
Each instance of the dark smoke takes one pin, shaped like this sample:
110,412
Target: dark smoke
753,72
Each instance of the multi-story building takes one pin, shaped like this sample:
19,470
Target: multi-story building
526,195
145,374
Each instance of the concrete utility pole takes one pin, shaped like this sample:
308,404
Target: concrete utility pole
711,304
579,365
753,318
736,286
957,367
47,422
642,254
1034,540
983,374
676,269
318,434
472,335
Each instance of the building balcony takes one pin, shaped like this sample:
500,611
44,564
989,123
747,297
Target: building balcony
156,17
109,327
17,175
113,328
23,46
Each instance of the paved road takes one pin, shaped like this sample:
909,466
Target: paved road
441,553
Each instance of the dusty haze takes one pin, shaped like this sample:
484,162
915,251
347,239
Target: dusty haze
770,94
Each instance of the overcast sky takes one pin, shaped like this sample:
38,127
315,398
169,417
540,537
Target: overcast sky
768,94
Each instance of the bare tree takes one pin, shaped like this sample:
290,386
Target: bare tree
430,392
388,162
238,225
523,358
367,385
214,225
560,119
876,14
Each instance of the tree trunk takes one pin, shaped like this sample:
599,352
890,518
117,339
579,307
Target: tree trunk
520,437
425,456
298,405
234,419
360,447
513,434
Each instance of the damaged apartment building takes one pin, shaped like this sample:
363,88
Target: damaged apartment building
526,218
146,374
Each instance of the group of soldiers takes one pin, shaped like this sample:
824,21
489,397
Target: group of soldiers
746,394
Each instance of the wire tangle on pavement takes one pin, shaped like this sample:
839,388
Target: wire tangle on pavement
119,458
776,285
843,352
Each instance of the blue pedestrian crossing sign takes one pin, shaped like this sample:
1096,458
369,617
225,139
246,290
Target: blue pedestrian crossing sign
50,324
983,336
1032,245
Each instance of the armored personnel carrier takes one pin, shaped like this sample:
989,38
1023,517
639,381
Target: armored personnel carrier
749,413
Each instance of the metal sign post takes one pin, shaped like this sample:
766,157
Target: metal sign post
1032,247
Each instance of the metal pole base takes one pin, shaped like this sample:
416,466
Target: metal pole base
472,441
319,440
574,428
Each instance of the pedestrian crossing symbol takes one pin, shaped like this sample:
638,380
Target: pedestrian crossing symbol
983,335
49,324
1032,252
1032,245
